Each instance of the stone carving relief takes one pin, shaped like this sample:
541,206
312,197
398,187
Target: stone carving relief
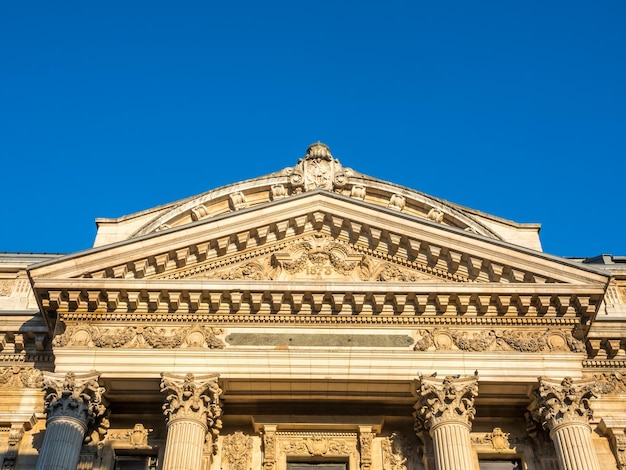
320,444
269,449
194,397
399,452
17,377
136,437
256,270
619,447
317,257
6,287
497,439
562,402
318,170
16,432
77,396
366,440
140,337
237,452
527,341
609,383
449,399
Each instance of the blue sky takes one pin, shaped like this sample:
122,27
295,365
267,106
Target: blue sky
513,108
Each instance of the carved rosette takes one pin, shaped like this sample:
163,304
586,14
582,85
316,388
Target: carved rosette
77,396
318,169
193,397
446,400
237,451
563,402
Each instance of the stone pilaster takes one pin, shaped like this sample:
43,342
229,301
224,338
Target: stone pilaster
562,407
366,439
73,405
193,412
445,409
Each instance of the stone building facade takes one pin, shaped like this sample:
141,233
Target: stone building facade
314,318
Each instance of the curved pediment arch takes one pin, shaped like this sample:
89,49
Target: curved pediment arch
317,170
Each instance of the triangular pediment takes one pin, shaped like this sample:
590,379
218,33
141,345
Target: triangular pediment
322,250
325,221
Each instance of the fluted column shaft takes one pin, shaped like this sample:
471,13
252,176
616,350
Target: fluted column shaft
184,445
193,413
453,446
445,410
564,409
73,405
574,447
62,443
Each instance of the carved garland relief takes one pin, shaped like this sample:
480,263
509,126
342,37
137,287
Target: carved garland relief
528,341
140,337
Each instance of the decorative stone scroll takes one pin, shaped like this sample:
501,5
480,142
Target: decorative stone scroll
196,336
318,170
18,377
237,451
525,341
563,408
613,383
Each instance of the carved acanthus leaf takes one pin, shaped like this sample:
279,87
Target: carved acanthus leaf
194,397
448,399
562,402
78,396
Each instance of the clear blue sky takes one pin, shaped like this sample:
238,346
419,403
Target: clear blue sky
514,108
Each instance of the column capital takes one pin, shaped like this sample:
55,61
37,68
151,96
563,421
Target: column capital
562,402
77,396
450,399
195,398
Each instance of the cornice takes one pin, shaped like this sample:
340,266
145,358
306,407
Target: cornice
315,297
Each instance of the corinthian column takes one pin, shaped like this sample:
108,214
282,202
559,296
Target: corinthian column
445,409
563,408
193,414
73,405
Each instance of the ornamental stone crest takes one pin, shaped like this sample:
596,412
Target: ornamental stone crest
196,398
77,396
562,402
450,399
237,451
318,170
